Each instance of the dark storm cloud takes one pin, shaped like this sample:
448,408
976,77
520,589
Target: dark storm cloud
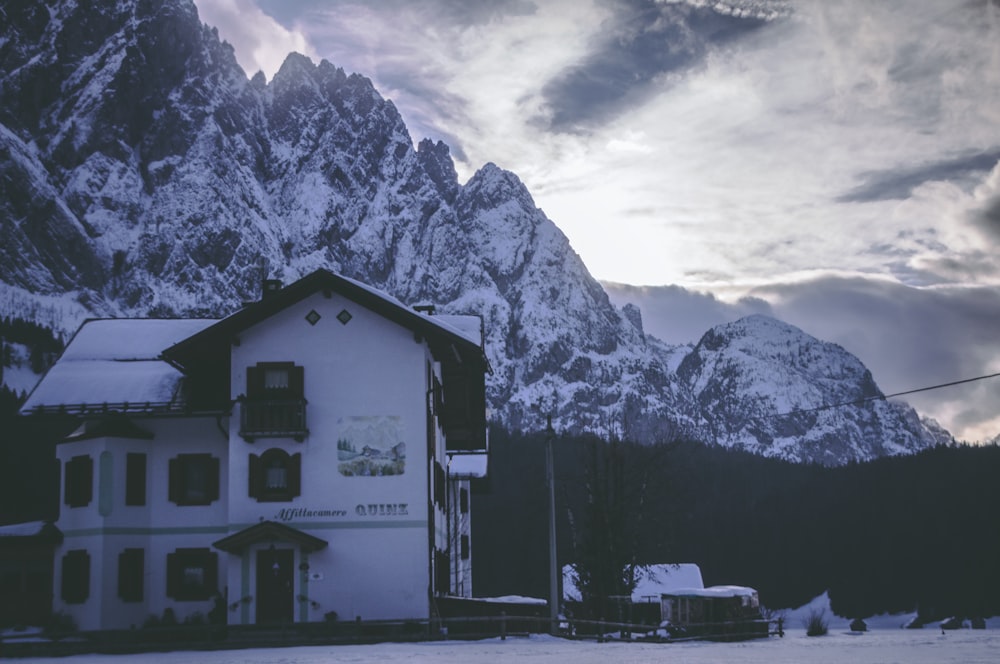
898,184
677,315
988,216
640,43
908,337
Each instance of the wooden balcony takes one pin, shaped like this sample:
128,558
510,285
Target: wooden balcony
273,418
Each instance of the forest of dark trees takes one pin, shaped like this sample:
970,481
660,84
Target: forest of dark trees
43,347
898,534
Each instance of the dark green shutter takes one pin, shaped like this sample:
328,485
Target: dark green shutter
255,483
173,574
76,576
296,381
135,479
176,480
295,475
130,575
255,382
212,488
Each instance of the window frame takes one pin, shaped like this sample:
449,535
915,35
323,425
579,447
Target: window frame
276,411
131,575
179,561
257,476
135,479
180,489
75,584
78,481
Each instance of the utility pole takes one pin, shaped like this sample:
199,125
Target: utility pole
553,561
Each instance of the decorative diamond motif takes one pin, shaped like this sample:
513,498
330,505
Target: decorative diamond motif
344,316
313,317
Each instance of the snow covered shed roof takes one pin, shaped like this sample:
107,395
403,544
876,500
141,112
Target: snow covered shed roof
654,581
713,591
31,531
114,365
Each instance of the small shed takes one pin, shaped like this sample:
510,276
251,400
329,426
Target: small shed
725,612
26,551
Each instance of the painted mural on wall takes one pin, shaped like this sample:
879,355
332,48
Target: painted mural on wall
371,446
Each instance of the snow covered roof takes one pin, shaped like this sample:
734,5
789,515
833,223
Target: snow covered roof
446,333
713,591
114,364
654,581
34,529
659,579
467,466
470,327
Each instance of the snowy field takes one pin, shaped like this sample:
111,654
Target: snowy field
882,646
885,643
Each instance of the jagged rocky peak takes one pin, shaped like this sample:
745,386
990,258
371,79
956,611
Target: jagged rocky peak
437,163
766,386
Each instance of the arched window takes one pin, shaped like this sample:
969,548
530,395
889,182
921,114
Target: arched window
275,476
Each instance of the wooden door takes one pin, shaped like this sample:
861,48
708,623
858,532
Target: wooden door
275,582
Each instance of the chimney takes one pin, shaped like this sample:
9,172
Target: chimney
428,309
270,287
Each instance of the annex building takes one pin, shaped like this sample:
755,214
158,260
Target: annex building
307,458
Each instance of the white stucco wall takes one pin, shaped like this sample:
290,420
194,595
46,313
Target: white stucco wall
367,375
107,526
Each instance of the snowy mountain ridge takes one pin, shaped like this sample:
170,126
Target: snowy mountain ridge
143,174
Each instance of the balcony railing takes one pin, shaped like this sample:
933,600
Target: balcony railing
273,418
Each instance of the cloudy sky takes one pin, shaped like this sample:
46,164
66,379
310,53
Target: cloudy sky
835,163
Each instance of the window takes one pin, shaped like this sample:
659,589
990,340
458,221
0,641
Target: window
274,405
135,479
440,490
76,576
131,574
275,476
464,545
442,572
79,482
194,479
463,500
192,574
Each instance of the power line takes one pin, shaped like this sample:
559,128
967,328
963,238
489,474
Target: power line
858,402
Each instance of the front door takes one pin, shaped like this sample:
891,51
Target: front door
274,586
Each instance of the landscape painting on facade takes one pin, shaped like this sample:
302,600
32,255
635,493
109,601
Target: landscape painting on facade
371,446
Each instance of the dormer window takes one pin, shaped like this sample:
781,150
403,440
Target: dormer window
275,404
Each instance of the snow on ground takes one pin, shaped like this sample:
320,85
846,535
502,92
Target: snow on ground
885,643
884,646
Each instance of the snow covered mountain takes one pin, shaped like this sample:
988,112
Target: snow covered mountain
767,387
142,173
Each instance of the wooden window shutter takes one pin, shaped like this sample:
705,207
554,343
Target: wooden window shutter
173,574
135,479
296,380
76,576
211,573
175,481
213,478
295,475
78,486
86,480
131,574
256,477
255,382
